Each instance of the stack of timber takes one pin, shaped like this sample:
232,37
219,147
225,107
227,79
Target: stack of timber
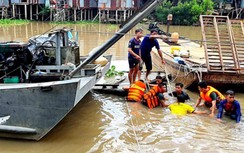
220,62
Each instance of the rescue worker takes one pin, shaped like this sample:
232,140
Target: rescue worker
210,95
155,96
231,106
179,92
180,108
133,55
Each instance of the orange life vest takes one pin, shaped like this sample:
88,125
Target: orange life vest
206,96
136,91
151,100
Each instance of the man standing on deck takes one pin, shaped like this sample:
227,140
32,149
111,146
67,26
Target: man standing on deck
133,55
147,44
210,95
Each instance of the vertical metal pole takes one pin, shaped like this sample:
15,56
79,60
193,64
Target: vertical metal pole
58,49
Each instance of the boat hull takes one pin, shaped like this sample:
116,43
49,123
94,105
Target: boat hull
191,75
30,111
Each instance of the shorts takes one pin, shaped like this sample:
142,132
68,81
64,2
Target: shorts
133,62
148,62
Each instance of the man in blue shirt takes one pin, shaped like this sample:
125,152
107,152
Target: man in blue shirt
147,44
133,55
231,106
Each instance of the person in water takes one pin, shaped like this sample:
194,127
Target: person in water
180,108
210,95
163,88
133,55
179,92
231,106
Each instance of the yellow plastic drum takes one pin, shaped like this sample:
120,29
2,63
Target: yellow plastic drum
175,37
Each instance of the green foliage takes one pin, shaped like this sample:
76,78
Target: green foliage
187,12
112,72
75,22
8,22
44,11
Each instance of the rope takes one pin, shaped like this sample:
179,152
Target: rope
167,78
133,127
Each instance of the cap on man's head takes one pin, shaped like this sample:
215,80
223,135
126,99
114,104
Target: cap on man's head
230,92
153,30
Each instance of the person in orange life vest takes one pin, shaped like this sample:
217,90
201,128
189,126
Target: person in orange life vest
231,106
179,92
133,55
156,81
136,91
210,95
154,97
161,89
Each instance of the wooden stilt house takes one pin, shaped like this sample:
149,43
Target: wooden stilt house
4,4
116,10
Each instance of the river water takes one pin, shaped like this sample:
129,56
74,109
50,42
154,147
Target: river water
107,123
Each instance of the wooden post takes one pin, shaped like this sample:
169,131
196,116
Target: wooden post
116,16
124,15
88,14
68,14
74,14
99,13
19,12
37,13
26,11
51,14
13,7
91,14
85,15
64,15
108,16
31,13
81,14
128,13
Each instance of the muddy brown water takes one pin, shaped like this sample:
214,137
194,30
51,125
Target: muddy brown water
107,123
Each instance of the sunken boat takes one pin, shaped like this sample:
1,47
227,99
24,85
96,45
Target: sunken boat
219,60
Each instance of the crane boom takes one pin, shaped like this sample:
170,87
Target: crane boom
127,27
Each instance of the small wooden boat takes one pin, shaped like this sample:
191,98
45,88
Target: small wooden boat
220,62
